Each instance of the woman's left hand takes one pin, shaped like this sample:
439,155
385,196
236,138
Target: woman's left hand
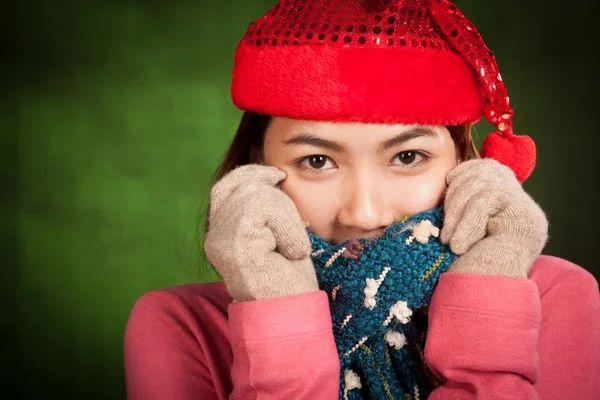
494,226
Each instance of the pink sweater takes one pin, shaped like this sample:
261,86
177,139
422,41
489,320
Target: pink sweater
489,338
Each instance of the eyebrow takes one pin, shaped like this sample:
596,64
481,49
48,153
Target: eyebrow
313,140
413,133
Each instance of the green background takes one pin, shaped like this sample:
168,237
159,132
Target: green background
114,115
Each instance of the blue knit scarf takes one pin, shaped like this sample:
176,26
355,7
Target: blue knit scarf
379,290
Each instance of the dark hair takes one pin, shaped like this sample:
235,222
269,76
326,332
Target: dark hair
247,144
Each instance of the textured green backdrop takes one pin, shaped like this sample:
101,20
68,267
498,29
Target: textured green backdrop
115,113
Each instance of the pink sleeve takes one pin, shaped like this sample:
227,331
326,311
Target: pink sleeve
570,339
486,339
284,349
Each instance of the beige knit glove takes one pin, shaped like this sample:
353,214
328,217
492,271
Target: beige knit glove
256,240
490,221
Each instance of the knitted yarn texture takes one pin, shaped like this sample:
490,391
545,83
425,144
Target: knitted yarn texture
379,289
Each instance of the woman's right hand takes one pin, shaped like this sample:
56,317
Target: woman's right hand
256,240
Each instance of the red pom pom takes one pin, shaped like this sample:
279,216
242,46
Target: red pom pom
515,151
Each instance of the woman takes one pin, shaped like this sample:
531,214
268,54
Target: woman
358,113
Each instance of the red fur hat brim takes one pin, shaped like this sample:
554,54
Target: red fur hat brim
372,85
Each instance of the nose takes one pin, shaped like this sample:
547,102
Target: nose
365,207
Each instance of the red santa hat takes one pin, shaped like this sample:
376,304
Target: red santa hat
377,61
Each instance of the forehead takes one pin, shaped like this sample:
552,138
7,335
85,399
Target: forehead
287,127
283,130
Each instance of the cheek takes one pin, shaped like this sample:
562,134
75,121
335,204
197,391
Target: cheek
424,192
424,195
316,202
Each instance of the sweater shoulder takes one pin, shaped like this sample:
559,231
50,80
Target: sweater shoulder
193,294
176,343
193,307
549,272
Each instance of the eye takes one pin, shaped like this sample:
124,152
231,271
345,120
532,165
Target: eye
317,162
409,157
314,163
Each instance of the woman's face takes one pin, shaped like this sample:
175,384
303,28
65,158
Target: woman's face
353,179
